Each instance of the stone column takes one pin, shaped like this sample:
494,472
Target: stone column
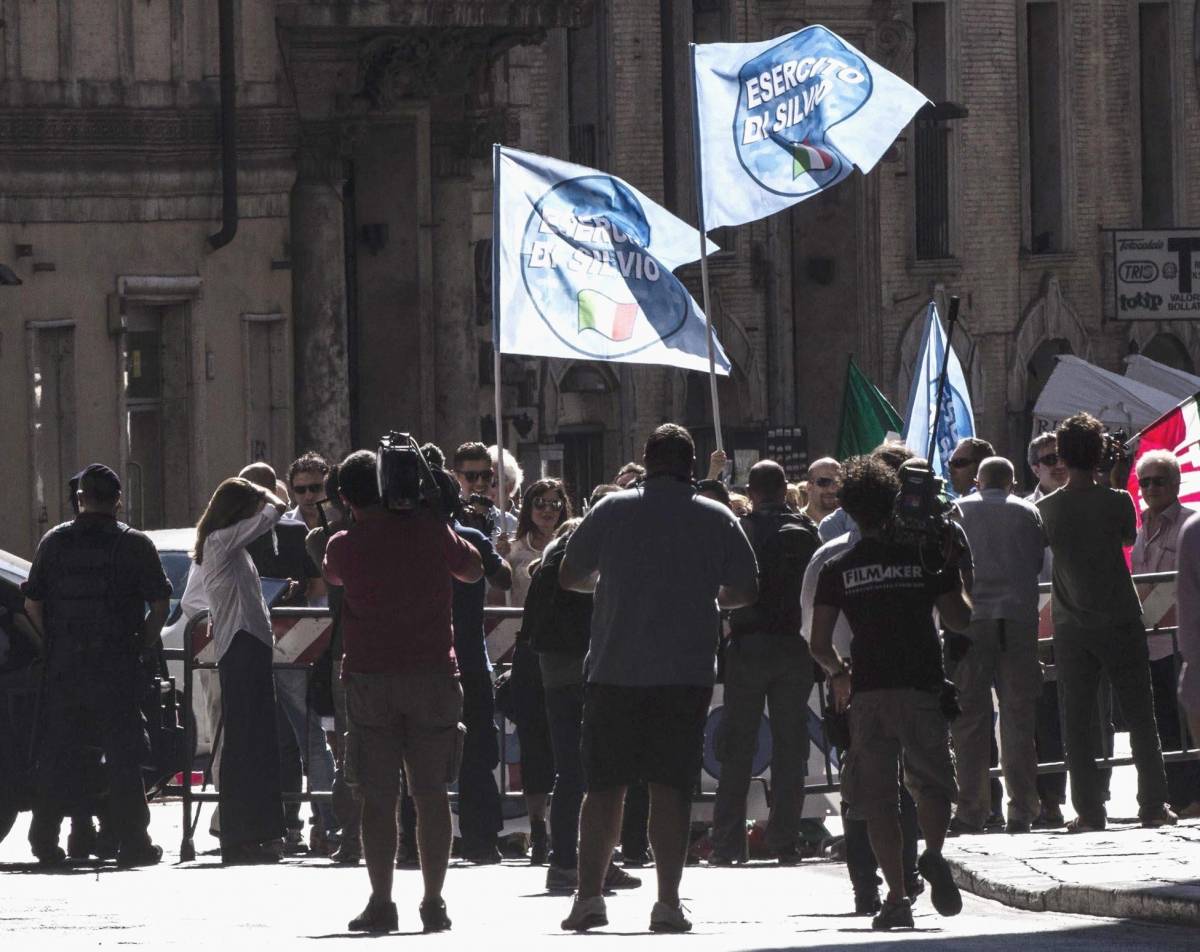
319,305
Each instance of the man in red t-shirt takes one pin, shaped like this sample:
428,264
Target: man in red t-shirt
402,694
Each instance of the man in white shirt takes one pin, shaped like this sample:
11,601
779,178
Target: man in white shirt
1007,541
1156,550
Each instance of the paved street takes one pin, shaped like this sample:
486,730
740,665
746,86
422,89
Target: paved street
201,905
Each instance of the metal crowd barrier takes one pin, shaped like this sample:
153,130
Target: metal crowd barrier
1156,590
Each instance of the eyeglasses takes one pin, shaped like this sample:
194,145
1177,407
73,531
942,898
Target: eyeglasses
475,475
1160,481
825,481
1050,459
961,463
554,504
301,489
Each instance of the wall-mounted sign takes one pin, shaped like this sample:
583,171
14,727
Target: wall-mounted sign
1156,274
788,446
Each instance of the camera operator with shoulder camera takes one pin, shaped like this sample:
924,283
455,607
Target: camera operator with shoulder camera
1098,623
87,592
894,686
396,564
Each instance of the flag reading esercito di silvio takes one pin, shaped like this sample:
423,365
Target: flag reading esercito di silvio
783,119
585,266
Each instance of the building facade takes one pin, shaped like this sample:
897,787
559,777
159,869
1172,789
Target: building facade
354,295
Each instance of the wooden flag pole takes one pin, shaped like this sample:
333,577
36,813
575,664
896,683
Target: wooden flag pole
502,490
709,333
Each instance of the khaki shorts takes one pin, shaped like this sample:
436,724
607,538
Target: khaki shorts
410,719
889,729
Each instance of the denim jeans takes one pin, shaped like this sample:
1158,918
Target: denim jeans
291,691
564,712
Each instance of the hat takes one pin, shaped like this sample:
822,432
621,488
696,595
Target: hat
98,473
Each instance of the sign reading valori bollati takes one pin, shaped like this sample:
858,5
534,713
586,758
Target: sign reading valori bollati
1157,274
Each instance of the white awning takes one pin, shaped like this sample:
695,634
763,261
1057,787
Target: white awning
1120,403
1179,383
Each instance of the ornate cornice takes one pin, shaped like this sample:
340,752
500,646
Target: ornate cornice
141,130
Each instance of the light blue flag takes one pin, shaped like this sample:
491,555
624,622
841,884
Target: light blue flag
957,419
780,120
584,269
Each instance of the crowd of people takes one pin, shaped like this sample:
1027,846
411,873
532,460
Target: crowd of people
920,617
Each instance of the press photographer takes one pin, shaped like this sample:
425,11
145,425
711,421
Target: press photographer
396,565
894,686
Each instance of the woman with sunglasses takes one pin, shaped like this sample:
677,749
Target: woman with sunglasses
544,508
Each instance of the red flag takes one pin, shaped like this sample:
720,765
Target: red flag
1177,432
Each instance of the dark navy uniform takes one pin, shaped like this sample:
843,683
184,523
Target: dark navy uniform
94,577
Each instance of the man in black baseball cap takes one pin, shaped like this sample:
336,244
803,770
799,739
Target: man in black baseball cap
87,590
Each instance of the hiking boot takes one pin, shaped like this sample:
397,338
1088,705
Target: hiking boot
664,918
867,904
1163,816
586,914
379,916
560,879
433,916
145,855
944,894
894,914
538,843
617,878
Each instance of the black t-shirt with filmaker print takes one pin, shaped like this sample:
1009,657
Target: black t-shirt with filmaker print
888,598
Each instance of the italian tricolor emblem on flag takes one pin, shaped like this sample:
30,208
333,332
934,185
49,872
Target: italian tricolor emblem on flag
598,312
809,158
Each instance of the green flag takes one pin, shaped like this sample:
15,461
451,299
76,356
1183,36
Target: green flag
866,415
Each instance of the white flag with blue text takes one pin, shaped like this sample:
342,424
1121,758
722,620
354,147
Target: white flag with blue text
956,418
780,120
585,264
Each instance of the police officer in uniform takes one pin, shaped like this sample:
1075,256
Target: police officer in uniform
87,592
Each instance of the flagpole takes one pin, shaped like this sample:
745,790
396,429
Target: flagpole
501,493
712,357
941,388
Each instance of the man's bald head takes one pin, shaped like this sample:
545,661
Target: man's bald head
261,474
767,483
995,472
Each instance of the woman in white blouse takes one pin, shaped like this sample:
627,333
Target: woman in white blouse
251,811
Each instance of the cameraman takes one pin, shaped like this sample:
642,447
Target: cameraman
402,693
894,686
1098,625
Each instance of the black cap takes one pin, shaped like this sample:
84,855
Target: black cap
98,473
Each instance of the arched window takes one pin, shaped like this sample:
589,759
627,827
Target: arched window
1168,349
585,378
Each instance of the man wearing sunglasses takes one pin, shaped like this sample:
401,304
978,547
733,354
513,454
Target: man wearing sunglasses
1156,550
964,463
475,472
824,478
1048,468
306,485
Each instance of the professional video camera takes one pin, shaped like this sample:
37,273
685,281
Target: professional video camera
922,513
405,479
1115,450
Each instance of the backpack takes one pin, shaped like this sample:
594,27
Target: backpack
783,544
556,620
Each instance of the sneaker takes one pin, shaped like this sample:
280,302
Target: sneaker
1051,818
995,821
350,852
944,894
960,827
293,843
538,843
1017,827
1163,816
1083,825
617,878
867,904
636,860
489,856
560,879
146,855
664,918
586,914
433,916
377,917
894,914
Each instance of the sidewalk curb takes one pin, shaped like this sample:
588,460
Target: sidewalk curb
1153,904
